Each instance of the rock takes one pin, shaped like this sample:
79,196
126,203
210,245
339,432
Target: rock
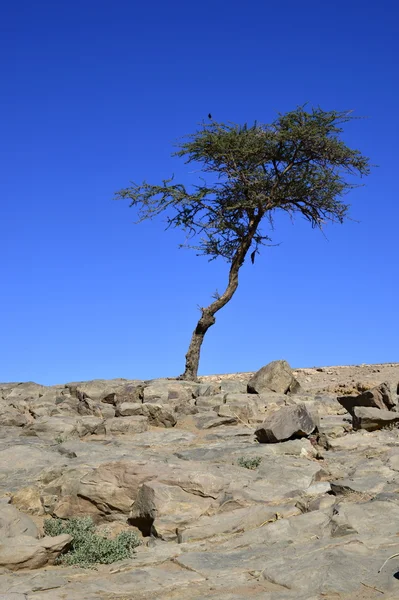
276,376
28,500
154,510
129,409
233,387
157,414
375,517
234,521
128,393
14,523
378,397
209,402
210,420
99,389
11,417
373,418
127,425
24,552
243,413
286,423
169,392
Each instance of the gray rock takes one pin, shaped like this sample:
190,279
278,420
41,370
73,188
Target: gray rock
11,417
276,376
129,409
373,418
164,391
126,425
234,521
24,552
13,523
158,415
209,402
378,397
211,420
232,386
285,423
155,508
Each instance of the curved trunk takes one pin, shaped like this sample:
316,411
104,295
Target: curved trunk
208,314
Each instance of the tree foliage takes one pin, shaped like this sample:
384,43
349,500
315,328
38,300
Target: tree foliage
297,164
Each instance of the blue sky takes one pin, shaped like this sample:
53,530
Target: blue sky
94,95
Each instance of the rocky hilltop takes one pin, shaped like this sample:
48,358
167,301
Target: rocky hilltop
276,485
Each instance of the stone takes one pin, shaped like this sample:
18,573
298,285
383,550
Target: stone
209,402
210,420
28,500
373,418
126,425
234,521
129,409
24,552
378,397
160,508
286,423
11,417
243,413
277,376
14,523
168,392
158,415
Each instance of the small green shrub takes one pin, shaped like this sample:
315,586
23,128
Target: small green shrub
89,548
250,463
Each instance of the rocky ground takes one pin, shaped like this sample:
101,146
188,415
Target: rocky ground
283,493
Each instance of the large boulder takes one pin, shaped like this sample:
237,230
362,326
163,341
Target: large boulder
378,397
277,376
373,418
287,422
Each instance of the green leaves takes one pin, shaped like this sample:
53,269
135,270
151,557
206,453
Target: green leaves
89,548
297,164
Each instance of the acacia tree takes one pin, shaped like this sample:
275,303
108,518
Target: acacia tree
298,164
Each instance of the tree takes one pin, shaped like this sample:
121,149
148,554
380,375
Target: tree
298,164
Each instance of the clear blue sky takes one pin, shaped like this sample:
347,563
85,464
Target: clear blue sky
94,95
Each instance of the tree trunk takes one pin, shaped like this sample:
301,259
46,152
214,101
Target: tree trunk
208,314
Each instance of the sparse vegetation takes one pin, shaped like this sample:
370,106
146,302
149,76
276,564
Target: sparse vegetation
88,548
250,463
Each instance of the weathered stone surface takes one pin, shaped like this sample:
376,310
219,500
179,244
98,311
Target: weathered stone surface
28,500
326,512
285,423
24,552
162,508
209,402
276,376
378,397
235,521
126,425
373,418
168,392
14,523
211,420
11,417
